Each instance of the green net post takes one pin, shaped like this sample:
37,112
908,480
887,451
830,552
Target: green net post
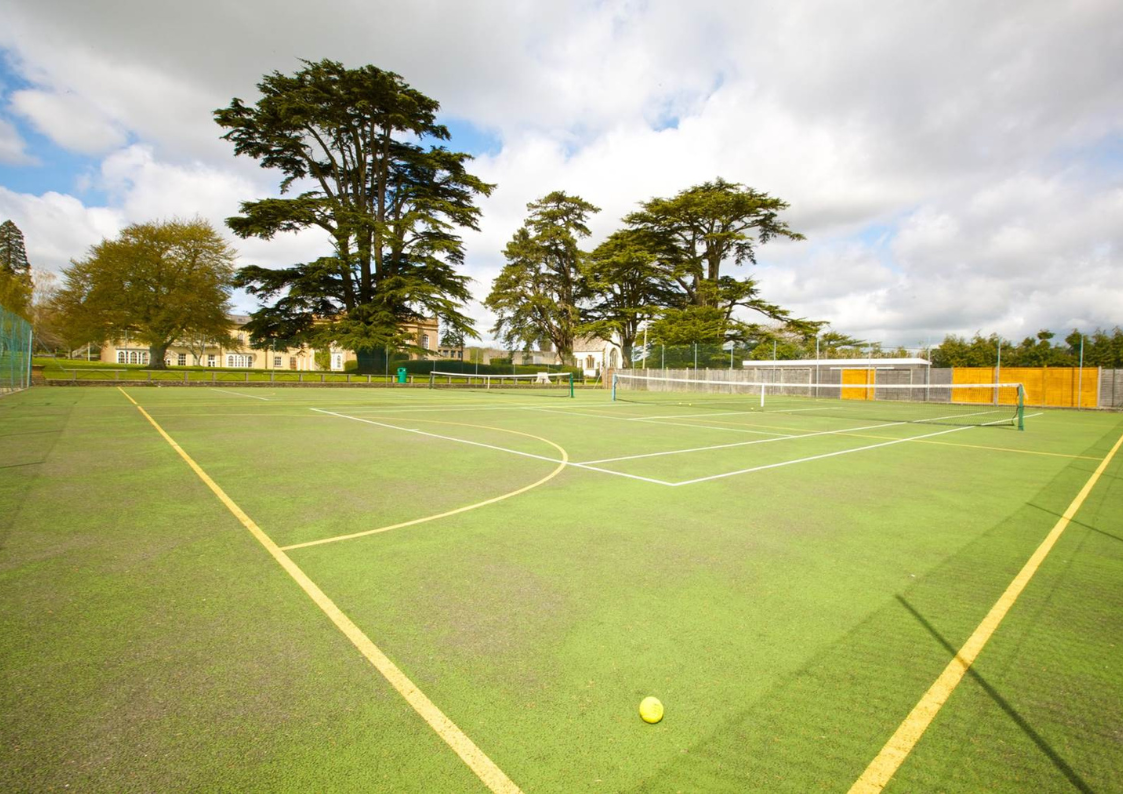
1021,407
571,384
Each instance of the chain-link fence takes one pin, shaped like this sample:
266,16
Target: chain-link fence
15,352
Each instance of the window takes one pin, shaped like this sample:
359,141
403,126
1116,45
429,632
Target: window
292,362
276,361
337,361
210,360
425,341
240,362
121,357
181,360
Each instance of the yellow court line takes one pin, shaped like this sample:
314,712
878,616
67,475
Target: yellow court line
524,489
901,743
491,775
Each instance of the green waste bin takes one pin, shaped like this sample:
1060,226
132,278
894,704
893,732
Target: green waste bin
401,374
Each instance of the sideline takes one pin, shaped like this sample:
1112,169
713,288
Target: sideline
900,744
484,768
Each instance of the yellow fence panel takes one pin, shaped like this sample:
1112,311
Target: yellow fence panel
967,375
1053,387
857,377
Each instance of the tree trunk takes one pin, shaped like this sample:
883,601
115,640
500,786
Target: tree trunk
156,355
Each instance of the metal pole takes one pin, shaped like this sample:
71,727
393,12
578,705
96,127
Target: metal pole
695,358
998,370
644,346
30,338
1080,375
731,346
816,365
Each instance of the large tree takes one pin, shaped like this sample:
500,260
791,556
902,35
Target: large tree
15,271
624,288
537,293
159,282
351,146
699,233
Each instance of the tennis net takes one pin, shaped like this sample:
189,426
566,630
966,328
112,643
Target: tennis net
951,404
552,384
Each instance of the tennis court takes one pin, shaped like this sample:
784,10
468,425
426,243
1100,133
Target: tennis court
465,588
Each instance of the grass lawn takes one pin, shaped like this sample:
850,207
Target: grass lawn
553,562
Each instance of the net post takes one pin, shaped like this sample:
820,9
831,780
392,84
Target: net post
1021,407
571,384
614,376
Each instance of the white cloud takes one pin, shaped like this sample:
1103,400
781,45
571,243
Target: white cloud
69,120
13,149
969,137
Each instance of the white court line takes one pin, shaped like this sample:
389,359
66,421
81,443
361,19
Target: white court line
689,416
740,443
828,455
238,394
668,424
783,438
483,406
491,446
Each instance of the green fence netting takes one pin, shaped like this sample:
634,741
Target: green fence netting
15,352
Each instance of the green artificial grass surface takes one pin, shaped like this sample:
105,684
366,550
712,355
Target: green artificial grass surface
788,618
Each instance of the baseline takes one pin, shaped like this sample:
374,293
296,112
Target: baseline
239,394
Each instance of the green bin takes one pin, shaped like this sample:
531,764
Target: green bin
401,374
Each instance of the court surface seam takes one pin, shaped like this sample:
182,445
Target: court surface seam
484,768
882,768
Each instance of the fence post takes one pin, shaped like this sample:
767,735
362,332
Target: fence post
185,376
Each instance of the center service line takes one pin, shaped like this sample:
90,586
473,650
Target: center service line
485,769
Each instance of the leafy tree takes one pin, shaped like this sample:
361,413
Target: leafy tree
625,287
451,336
15,271
159,281
536,294
703,229
352,142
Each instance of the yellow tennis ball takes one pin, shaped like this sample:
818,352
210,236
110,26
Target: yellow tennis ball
651,710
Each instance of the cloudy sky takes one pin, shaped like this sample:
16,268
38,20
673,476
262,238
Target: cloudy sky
955,166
